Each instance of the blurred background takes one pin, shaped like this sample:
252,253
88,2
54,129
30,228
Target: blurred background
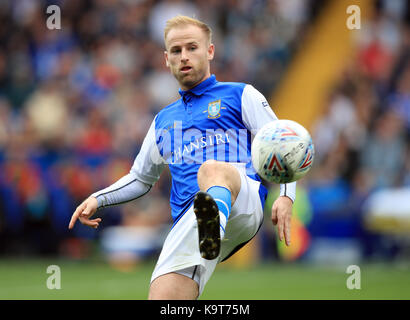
76,103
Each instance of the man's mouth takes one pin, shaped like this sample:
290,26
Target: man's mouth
185,69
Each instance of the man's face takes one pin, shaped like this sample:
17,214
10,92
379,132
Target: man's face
188,54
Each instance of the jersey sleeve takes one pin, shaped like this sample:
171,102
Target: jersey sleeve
126,189
149,164
256,112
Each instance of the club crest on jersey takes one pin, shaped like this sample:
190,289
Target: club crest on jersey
214,109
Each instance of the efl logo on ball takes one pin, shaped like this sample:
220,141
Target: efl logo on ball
282,151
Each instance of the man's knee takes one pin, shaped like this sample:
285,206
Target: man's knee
210,168
173,286
213,172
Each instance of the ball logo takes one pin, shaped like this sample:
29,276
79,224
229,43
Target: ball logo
308,159
275,161
288,132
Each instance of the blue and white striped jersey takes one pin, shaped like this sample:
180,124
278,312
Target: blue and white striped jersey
213,120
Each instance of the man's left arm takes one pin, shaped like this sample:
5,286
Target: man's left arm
256,112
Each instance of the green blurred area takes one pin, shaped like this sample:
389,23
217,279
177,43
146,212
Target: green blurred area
27,278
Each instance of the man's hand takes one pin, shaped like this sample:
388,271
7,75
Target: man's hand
84,212
281,216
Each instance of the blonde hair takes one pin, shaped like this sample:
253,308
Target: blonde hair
181,20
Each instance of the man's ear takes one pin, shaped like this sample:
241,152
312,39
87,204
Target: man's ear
166,58
211,51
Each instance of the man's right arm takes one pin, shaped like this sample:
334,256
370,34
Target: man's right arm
145,171
126,189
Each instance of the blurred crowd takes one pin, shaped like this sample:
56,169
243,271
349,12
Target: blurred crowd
363,138
76,103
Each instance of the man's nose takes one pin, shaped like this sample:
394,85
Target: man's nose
184,55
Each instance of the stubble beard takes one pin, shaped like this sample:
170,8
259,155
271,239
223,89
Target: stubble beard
188,81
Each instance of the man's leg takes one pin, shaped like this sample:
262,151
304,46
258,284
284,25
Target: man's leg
220,183
212,173
173,286
216,173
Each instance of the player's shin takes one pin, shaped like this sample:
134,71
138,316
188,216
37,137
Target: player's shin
222,197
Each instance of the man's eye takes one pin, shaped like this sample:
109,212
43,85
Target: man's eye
176,51
192,48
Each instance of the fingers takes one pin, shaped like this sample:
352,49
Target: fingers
94,223
284,227
83,213
278,218
274,215
281,216
281,223
76,214
86,213
288,220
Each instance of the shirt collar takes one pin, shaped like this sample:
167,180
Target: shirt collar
200,88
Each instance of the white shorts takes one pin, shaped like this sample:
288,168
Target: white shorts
180,252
